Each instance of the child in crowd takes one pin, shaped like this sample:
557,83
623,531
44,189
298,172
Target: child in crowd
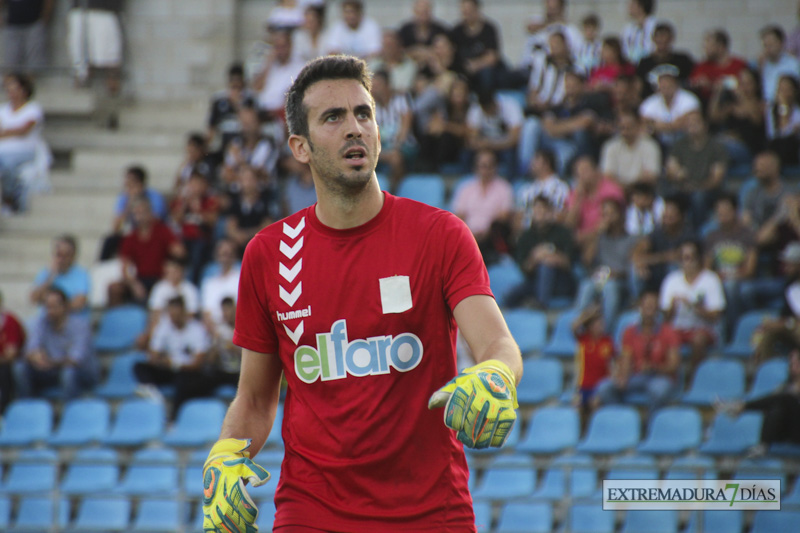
592,358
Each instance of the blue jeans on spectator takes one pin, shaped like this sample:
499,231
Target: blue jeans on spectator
611,296
13,190
738,153
71,379
761,292
734,302
658,388
546,283
566,149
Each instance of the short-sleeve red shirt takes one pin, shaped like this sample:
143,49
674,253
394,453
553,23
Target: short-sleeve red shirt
594,356
362,320
649,347
149,254
11,332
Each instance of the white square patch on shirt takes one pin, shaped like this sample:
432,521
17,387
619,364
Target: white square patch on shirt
395,294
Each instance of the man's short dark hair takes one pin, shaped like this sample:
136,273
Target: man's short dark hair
678,201
664,27
643,187
69,240
476,3
176,301
729,197
227,301
542,199
591,20
648,6
196,139
338,67
358,4
25,82
236,70
176,260
721,37
773,29
694,243
548,156
53,289
138,172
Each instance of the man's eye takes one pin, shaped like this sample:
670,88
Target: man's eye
364,115
331,118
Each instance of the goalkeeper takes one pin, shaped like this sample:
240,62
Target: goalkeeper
357,300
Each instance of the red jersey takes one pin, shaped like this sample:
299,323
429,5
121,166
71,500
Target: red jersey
149,254
192,223
652,348
11,332
594,356
363,324
706,74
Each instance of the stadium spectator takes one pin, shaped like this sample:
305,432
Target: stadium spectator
299,191
637,35
251,209
447,133
441,63
696,167
427,103
355,34
607,258
781,410
393,59
693,301
762,202
223,115
58,352
546,81
174,283
21,123
612,66
224,283
286,16
649,360
783,121
731,252
477,44
658,255
774,237
495,123
785,329
546,183
793,40
738,117
196,160
12,343
631,156
718,67
94,38
588,55
554,21
308,41
774,62
226,357
250,148
626,95
279,70
176,356
145,248
394,117
645,210
65,274
584,205
195,216
25,34
417,35
665,111
485,203
545,252
592,358
664,54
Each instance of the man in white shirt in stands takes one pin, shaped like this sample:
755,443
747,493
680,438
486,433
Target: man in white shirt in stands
693,299
637,35
280,70
355,34
224,284
665,111
631,156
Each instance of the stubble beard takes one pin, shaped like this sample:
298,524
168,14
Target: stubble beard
342,185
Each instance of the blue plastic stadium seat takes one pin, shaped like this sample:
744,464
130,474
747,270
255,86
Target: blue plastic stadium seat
153,472
732,436
716,522
551,430
504,276
103,514
612,429
590,518
83,422
426,188
528,327
121,383
572,475
716,378
5,513
741,344
771,375
137,423
526,518
543,381
39,514
275,438
626,319
119,327
763,468
193,473
776,522
692,467
225,392
33,472
92,471
562,342
26,422
199,423
633,467
793,497
662,521
506,477
158,515
483,516
672,431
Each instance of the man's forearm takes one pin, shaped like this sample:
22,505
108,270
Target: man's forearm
247,419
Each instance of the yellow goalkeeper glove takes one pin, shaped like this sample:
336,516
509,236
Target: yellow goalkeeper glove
227,508
479,404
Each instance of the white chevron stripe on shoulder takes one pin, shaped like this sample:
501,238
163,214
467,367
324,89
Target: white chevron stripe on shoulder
291,251
291,297
296,334
290,273
293,232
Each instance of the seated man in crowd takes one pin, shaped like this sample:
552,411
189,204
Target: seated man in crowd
250,148
477,43
693,300
251,209
545,252
223,115
226,357
176,356
546,183
195,215
485,203
355,34
649,360
393,60
762,202
631,156
664,54
221,285
276,76
65,274
494,123
584,205
717,66
665,111
417,34
645,210
59,351
785,329
12,343
394,117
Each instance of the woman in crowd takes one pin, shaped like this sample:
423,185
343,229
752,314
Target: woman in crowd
783,121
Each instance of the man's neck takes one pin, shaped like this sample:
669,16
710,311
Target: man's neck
691,275
344,211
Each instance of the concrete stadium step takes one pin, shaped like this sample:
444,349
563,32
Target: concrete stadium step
70,137
15,297
68,182
178,118
59,97
161,164
24,256
91,220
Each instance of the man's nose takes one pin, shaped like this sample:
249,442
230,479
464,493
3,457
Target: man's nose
353,126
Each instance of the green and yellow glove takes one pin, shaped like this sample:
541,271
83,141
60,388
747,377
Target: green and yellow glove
227,508
479,404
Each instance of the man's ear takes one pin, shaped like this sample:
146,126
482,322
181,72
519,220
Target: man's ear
300,148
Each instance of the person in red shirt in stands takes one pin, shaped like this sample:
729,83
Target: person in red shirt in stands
719,66
145,249
592,358
195,213
12,340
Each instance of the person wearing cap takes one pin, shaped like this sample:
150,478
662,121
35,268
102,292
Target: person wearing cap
664,54
665,111
786,328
